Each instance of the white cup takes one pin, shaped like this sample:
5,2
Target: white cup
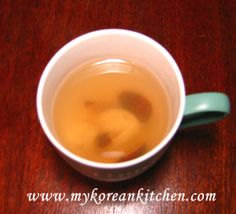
111,43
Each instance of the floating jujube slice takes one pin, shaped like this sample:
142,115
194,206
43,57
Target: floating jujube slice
136,103
103,139
117,126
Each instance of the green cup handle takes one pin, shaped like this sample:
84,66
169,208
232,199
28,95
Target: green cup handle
203,108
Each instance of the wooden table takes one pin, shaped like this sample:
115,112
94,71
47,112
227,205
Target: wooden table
201,37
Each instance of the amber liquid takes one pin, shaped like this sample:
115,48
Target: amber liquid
110,110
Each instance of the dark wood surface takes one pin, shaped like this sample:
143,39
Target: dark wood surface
201,35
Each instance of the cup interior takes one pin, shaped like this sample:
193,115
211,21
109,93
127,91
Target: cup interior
111,43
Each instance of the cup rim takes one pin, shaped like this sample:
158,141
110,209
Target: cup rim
90,35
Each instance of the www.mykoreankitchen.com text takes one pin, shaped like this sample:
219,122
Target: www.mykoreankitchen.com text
143,196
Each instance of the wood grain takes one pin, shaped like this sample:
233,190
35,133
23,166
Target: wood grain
201,35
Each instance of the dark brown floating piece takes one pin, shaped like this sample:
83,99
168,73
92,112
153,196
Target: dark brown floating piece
134,154
103,140
88,103
137,104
